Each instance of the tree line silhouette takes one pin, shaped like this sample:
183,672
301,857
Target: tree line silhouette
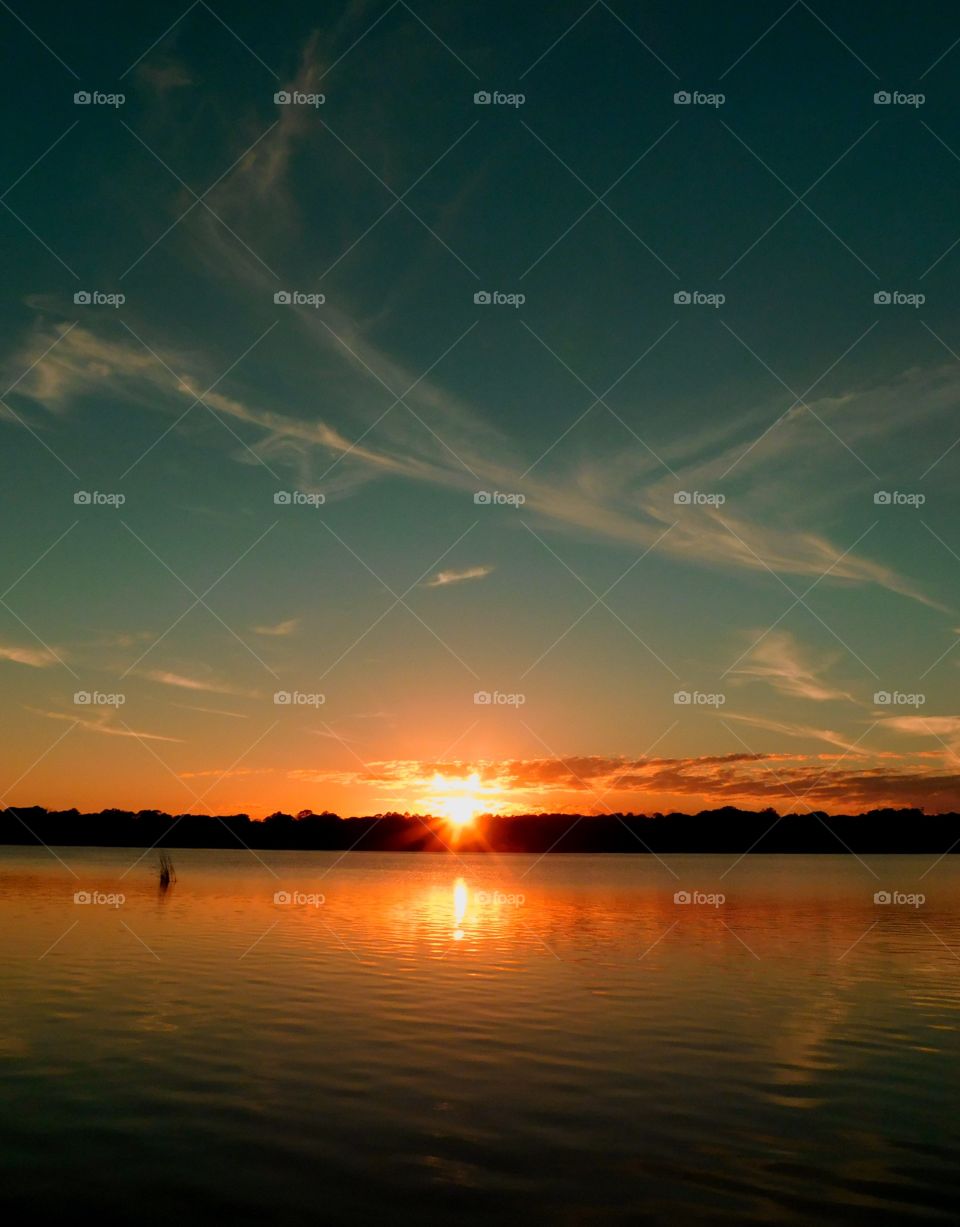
726,830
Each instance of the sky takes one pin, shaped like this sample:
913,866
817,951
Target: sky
599,453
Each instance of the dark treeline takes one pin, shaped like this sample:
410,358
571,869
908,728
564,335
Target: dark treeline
720,830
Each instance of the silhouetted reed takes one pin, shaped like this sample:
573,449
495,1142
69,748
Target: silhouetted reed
167,872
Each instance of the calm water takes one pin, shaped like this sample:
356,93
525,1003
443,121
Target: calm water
417,1049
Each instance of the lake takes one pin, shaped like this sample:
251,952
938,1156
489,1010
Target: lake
311,1037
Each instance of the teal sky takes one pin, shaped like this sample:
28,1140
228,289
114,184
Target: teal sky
783,596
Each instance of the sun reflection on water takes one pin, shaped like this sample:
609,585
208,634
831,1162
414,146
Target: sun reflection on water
460,900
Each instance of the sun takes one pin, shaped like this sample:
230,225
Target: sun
459,801
460,811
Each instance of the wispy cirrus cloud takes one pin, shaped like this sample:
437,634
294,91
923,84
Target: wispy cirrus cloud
443,579
278,629
810,732
36,658
182,682
164,75
462,452
103,722
766,451
212,711
779,660
944,730
929,726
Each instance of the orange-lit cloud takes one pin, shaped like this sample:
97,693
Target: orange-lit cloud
597,784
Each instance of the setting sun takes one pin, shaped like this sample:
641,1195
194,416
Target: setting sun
458,800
